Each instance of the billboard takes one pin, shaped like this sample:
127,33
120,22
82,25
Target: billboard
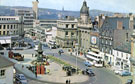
94,40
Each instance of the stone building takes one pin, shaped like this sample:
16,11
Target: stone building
11,25
84,28
35,9
66,32
115,31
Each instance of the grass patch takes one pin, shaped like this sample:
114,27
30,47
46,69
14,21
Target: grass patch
57,60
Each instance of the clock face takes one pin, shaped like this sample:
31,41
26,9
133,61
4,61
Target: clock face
93,40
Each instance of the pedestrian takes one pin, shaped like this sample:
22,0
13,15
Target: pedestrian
69,81
22,66
66,81
32,55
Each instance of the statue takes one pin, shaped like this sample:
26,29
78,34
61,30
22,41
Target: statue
40,53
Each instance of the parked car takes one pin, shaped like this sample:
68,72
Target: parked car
129,81
88,72
87,63
18,57
125,73
61,51
21,79
118,71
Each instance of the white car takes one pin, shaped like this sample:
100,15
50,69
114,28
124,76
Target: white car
118,71
98,65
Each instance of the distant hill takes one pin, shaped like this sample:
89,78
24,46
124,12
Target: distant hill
45,13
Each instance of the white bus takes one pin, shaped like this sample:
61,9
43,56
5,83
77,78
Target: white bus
52,44
95,58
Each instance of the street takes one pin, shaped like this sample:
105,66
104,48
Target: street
103,75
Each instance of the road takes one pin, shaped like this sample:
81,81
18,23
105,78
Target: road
103,75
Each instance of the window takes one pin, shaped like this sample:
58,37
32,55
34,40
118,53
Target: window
72,25
66,25
121,54
7,32
0,26
2,73
66,33
11,26
117,53
126,56
3,32
0,32
7,26
4,26
72,34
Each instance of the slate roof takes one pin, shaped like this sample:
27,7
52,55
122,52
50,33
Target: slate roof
5,62
124,47
111,22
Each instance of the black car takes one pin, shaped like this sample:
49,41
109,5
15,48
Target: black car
88,72
129,81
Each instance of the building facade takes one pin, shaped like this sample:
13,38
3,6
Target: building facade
122,56
35,9
66,32
6,71
115,31
84,28
11,26
28,17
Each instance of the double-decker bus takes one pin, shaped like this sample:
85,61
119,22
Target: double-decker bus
95,59
52,44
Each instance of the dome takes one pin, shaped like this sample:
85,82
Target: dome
84,9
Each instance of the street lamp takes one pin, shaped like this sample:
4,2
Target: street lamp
76,54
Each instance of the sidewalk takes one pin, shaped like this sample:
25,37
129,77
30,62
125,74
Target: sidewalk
56,75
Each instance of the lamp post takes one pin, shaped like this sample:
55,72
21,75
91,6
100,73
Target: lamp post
76,54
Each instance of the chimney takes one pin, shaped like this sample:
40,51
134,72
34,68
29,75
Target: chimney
119,25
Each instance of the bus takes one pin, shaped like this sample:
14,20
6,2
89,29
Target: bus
95,59
52,44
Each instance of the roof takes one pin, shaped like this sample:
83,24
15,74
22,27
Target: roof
84,9
5,62
111,22
124,47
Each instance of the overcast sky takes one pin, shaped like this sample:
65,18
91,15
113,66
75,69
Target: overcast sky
107,5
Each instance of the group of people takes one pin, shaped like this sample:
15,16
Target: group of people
68,81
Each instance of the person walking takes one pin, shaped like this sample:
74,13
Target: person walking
66,81
69,81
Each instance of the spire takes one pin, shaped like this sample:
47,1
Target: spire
84,9
37,0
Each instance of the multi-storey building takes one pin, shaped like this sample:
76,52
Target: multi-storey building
115,31
35,9
11,25
27,15
84,28
66,32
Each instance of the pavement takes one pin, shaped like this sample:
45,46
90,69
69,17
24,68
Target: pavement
103,75
56,72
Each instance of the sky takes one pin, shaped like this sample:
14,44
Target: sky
123,6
